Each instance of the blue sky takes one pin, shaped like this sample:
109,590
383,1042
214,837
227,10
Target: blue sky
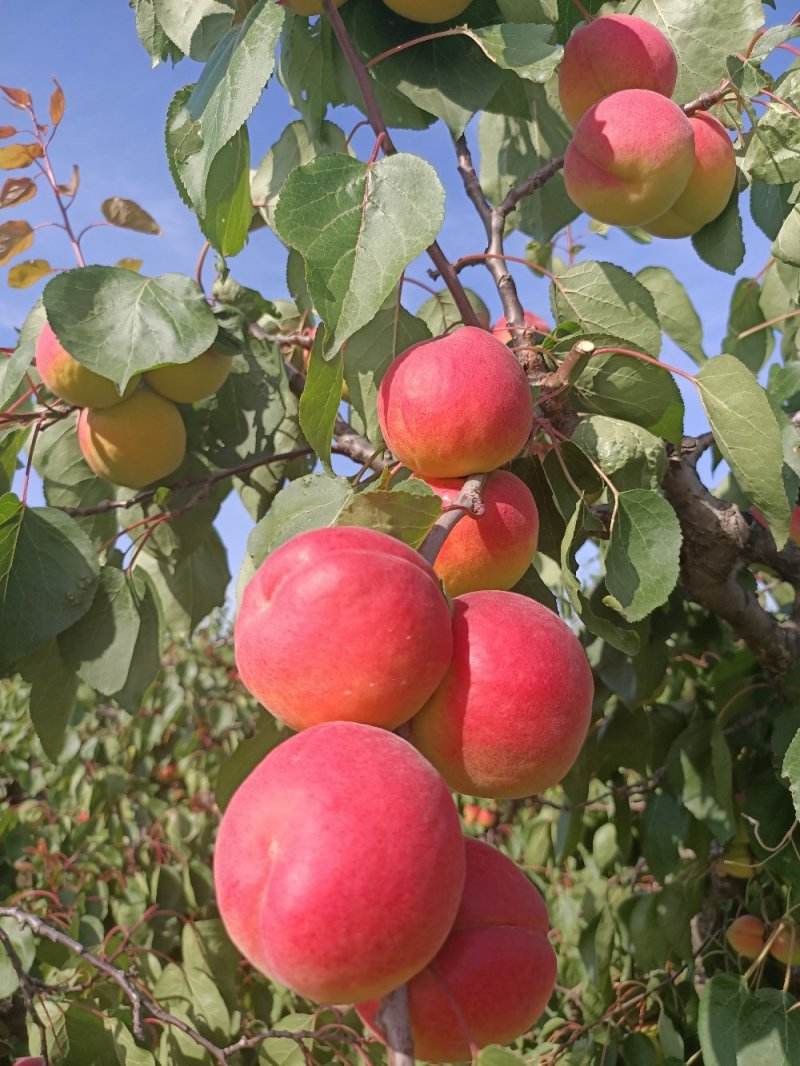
113,129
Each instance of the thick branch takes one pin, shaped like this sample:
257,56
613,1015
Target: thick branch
376,121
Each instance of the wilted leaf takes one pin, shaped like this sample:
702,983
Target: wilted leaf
130,264
20,98
128,215
70,187
15,238
25,274
7,131
15,156
16,191
56,104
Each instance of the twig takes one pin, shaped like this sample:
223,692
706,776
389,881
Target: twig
394,1022
468,502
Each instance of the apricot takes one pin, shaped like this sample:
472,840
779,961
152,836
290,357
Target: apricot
786,945
72,381
192,381
495,550
134,443
308,7
746,936
495,973
513,710
339,863
343,623
428,11
710,183
630,158
611,53
455,405
503,333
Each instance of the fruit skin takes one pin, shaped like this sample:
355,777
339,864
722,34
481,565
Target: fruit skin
428,11
495,550
343,623
315,886
786,945
710,183
503,333
630,158
31,1060
497,964
612,53
745,935
70,380
309,7
456,405
513,710
192,381
135,443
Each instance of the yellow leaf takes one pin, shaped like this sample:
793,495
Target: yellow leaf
24,274
130,264
57,104
15,237
19,155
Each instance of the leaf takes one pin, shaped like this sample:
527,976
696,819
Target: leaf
130,264
608,302
119,323
54,687
630,456
745,312
128,215
772,153
12,370
15,238
748,436
231,84
495,1055
247,756
358,226
17,191
440,314
7,131
23,275
70,187
768,1030
20,98
189,590
407,512
306,69
146,659
17,156
643,558
719,243
319,404
676,312
56,104
310,502
787,244
791,770
623,387
24,946
525,49
229,211
181,20
48,575
770,206
699,772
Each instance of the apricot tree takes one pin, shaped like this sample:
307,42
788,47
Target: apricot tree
496,541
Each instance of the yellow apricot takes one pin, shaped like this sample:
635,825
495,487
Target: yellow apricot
428,11
72,381
192,381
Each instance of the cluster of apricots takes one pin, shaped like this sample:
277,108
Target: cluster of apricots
427,11
136,437
635,158
340,866
747,935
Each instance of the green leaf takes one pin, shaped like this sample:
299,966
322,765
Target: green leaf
182,20
768,1030
495,1055
748,436
249,753
720,243
630,456
188,591
306,68
48,575
54,687
229,211
118,323
525,49
676,312
623,387
699,772
643,558
12,370
231,84
609,303
319,404
770,206
773,155
440,314
407,512
24,945
146,658
787,243
791,770
745,312
23,275
358,226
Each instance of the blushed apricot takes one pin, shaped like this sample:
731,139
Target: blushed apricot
503,333
71,380
745,935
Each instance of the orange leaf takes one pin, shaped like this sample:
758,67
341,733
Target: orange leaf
6,131
24,274
16,191
56,104
15,237
19,155
20,98
129,215
71,187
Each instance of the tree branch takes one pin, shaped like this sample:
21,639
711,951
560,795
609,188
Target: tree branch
394,1022
468,502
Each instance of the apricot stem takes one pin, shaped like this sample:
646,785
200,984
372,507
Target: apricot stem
395,1023
468,502
409,44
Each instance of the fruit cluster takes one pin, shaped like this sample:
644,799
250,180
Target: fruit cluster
138,437
747,935
635,158
340,866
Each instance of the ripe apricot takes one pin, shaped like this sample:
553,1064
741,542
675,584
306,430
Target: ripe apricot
611,53
503,333
456,405
513,710
786,945
71,380
343,623
192,381
339,863
428,11
745,935
495,550
495,973
134,443
630,158
710,183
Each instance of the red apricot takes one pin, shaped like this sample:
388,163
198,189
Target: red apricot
343,623
513,710
745,935
786,945
495,550
710,183
339,863
495,973
30,1060
71,380
503,333
456,405
611,53
630,158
